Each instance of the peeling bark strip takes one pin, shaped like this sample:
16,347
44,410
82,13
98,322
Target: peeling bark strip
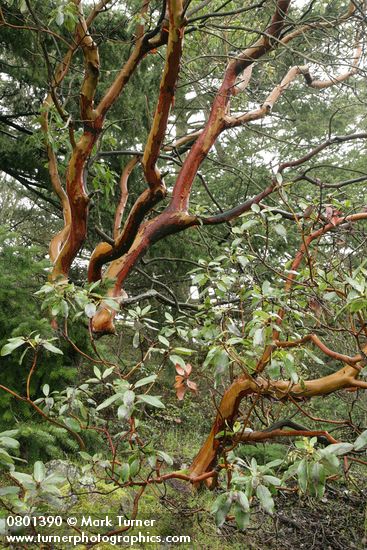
150,232
81,38
166,95
124,193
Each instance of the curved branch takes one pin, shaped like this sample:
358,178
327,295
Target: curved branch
229,215
273,434
124,193
279,389
166,96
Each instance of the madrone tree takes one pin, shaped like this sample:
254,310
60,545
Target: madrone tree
270,95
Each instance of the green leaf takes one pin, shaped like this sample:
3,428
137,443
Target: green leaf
59,19
129,398
136,340
95,285
134,467
125,472
9,433
5,458
113,304
281,231
144,381
107,402
221,508
247,225
123,413
23,8
46,389
97,372
314,357
279,178
55,310
357,284
266,289
11,346
243,501
64,308
243,260
90,310
318,475
361,441
340,448
258,338
8,442
39,471
107,372
274,463
8,491
53,349
272,480
177,360
152,460
302,475
153,400
163,340
24,479
329,460
72,424
85,456
265,498
164,456
183,351
290,472
242,518
291,370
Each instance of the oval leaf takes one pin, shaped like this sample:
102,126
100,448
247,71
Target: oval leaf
153,400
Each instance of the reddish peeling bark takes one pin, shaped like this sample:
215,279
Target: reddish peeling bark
150,232
78,200
166,96
75,188
104,252
124,193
